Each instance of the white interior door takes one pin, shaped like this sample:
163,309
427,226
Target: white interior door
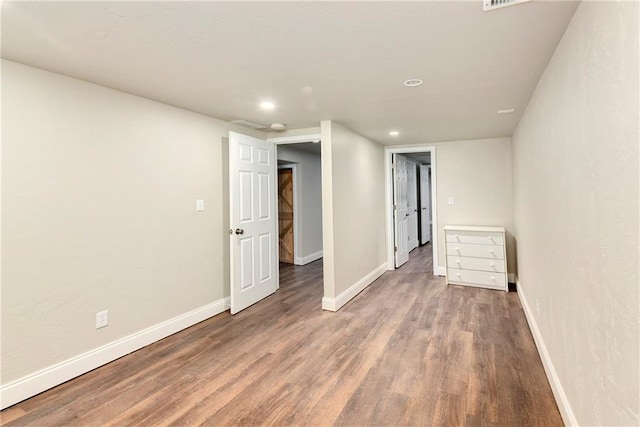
412,205
425,203
400,214
253,220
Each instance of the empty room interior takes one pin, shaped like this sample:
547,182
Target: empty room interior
320,213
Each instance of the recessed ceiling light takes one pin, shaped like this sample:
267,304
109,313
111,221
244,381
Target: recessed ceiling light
508,111
394,133
413,82
267,105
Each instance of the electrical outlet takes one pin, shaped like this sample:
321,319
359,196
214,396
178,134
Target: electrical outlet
451,201
199,205
102,319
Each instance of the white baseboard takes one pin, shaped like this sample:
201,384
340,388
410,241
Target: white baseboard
307,259
511,278
26,387
334,304
561,398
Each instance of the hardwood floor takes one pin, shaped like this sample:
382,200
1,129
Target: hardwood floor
409,350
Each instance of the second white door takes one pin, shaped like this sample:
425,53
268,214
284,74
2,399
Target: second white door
400,211
425,204
412,205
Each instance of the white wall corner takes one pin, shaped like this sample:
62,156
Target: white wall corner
307,259
30,385
329,304
334,304
568,416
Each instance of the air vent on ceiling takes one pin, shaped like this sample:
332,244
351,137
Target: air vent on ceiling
497,4
248,124
276,127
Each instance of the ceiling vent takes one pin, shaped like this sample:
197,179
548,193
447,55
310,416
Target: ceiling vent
497,4
277,127
248,124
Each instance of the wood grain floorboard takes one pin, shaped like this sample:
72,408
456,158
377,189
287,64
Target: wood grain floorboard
408,350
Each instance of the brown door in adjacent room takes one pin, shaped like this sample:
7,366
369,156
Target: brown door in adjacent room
285,214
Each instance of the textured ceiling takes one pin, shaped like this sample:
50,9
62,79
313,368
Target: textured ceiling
343,61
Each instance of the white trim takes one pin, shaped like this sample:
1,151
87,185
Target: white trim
296,208
328,268
307,259
295,139
334,304
30,385
388,152
561,398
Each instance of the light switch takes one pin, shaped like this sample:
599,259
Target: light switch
199,205
451,201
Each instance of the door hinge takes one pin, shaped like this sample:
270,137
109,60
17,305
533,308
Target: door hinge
395,249
395,208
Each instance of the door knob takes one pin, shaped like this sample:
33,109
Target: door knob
239,231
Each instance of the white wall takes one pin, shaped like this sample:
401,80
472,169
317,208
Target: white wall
353,211
477,174
98,212
576,189
309,192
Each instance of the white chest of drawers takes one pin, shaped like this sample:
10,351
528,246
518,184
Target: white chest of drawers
476,256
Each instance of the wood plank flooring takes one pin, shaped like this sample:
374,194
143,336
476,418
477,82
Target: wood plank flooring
409,350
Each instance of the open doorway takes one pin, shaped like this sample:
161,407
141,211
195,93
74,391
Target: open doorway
299,213
410,203
300,202
253,212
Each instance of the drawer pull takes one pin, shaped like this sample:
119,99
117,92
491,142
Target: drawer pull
490,251
457,238
458,274
492,265
457,249
493,278
457,261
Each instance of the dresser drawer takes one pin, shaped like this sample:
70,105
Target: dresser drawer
476,251
483,264
475,237
480,278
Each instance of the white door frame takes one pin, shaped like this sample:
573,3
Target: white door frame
296,139
296,208
388,151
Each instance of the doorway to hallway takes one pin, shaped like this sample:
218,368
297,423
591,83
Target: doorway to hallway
411,203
